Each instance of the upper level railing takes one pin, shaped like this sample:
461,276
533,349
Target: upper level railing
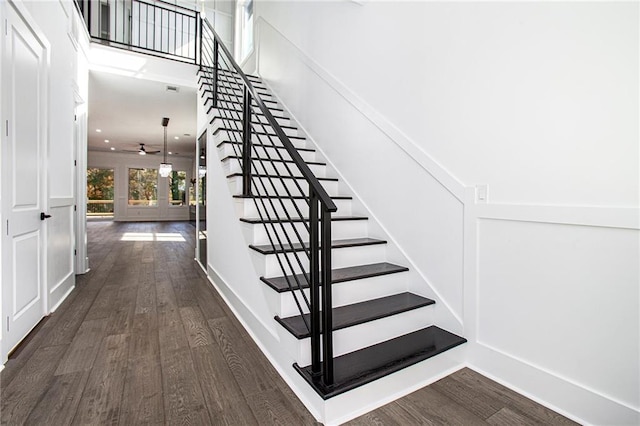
154,27
292,205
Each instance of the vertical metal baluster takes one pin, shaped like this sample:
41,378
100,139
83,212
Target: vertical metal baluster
314,269
215,73
246,144
198,27
327,308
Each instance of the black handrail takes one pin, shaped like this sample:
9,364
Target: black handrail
324,198
232,94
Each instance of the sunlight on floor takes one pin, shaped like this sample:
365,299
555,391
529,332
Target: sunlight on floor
152,236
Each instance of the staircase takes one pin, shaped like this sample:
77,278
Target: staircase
376,327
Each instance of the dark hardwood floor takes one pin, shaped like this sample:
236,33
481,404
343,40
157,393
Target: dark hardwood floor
144,339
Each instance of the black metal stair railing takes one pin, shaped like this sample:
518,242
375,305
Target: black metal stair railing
272,172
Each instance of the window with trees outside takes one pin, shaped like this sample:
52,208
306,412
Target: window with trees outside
143,187
177,188
100,192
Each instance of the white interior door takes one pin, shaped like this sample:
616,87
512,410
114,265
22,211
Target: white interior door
24,79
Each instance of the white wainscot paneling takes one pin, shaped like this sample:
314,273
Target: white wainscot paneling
564,299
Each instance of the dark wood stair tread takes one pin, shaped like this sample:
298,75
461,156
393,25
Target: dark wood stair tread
359,313
257,123
227,72
258,221
339,275
336,244
255,112
276,160
366,365
263,145
227,129
238,174
271,107
234,85
289,197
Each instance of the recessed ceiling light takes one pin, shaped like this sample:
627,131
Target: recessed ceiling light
106,141
170,153
98,130
113,149
176,137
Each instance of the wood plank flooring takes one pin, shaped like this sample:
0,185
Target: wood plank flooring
145,340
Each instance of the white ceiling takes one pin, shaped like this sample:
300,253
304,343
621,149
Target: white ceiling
129,111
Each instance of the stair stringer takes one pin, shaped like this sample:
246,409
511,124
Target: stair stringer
444,315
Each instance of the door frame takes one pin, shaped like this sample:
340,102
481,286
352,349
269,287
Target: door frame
29,22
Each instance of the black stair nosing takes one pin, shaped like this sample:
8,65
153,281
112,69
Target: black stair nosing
358,313
269,107
238,174
240,120
233,73
226,83
340,275
232,91
261,89
262,145
361,367
239,102
335,244
270,104
280,117
273,160
226,129
287,197
258,221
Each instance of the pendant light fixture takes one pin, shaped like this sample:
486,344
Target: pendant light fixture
165,168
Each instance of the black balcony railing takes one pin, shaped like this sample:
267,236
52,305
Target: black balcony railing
153,27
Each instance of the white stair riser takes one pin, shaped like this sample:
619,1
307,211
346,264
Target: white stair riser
249,207
277,186
283,121
340,258
227,149
347,292
237,114
341,229
236,101
235,88
232,165
362,335
237,125
236,136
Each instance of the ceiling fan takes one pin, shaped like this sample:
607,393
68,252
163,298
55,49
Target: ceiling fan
143,151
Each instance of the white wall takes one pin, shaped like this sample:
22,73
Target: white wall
416,103
121,164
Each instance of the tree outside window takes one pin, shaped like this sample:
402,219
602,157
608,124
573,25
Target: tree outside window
177,188
100,192
143,187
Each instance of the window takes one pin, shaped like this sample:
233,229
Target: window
246,28
143,187
177,188
99,192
